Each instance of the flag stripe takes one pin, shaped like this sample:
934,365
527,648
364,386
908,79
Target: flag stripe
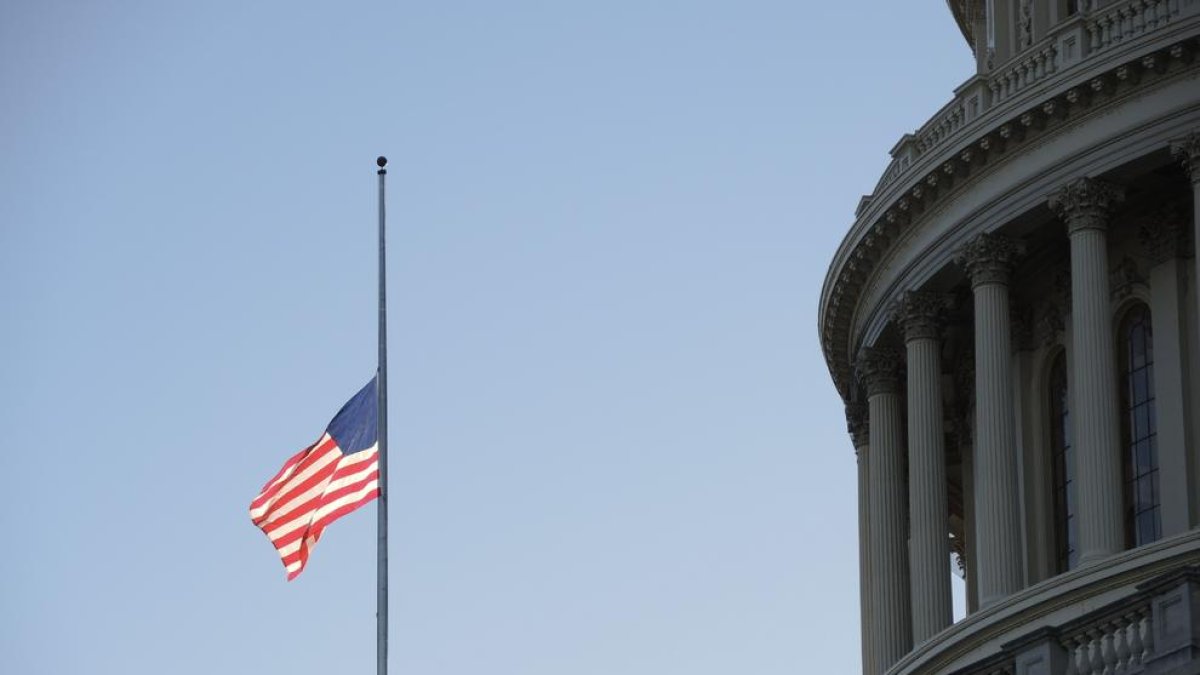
321,483
303,469
320,491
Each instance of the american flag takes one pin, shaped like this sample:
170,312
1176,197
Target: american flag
323,482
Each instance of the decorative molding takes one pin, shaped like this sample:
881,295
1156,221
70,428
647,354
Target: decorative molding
1163,234
879,369
1124,277
1026,24
857,423
921,314
989,258
1187,151
1049,325
1085,203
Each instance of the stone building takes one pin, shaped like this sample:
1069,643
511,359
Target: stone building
1012,321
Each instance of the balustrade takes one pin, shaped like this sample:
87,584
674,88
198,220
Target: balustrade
1073,42
1113,645
1117,23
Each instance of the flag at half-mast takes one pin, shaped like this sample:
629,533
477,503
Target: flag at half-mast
323,482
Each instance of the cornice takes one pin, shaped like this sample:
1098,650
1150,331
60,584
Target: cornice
974,149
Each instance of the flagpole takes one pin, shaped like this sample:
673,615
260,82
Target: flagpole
381,601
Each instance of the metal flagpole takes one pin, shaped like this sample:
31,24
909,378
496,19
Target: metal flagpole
381,601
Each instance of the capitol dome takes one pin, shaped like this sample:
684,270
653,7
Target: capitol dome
1013,323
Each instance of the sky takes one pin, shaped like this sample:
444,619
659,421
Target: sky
615,448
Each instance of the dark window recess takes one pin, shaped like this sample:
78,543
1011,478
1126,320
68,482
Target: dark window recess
1139,429
1063,460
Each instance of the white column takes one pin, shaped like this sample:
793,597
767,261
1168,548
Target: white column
1187,151
929,543
988,259
891,630
1084,205
856,423
1163,240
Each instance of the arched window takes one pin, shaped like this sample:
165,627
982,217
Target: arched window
1139,428
1062,458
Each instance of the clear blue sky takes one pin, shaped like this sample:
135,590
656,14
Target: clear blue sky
615,446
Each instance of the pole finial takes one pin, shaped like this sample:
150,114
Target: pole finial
381,161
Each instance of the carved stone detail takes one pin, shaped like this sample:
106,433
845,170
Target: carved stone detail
1021,321
1187,151
1049,325
989,258
1026,23
1085,203
920,313
879,369
958,546
1163,235
857,423
1123,277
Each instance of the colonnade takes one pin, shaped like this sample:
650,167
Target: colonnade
904,542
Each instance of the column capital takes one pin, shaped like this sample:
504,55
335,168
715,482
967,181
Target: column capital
989,258
1187,151
920,314
1085,203
879,370
857,424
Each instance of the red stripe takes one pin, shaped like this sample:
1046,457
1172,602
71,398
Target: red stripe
351,464
301,510
316,530
313,505
312,454
286,465
283,488
334,495
263,494
310,507
333,515
293,490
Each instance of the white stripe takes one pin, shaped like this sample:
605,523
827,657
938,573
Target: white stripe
298,523
257,513
346,499
319,443
360,472
289,549
281,509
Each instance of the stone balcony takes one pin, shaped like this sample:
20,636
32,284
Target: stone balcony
1138,612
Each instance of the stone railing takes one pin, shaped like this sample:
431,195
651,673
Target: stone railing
1034,65
1137,612
1126,20
1083,39
1121,641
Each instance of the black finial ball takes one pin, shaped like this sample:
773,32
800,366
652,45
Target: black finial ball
382,161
